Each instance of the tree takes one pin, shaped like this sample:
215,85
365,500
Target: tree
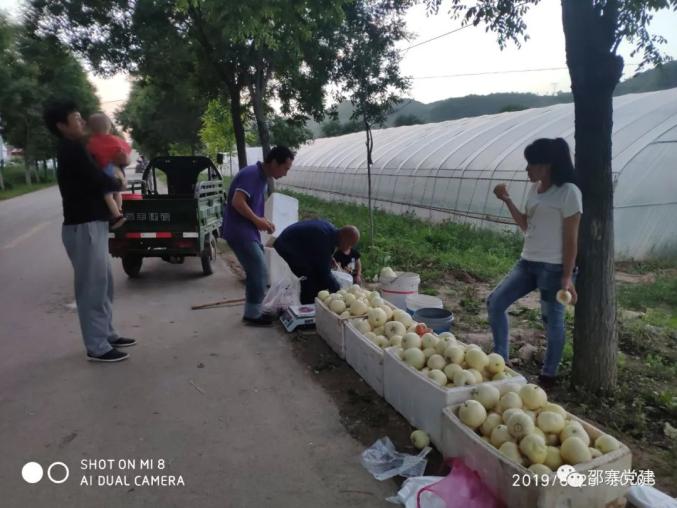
216,132
406,120
262,48
289,132
512,107
335,128
6,37
291,48
153,40
37,69
273,49
160,116
593,31
368,69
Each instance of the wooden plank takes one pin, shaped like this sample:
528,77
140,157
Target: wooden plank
218,303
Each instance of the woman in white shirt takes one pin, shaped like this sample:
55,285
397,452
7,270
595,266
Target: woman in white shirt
547,263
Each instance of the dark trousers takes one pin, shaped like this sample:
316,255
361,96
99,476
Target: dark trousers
315,279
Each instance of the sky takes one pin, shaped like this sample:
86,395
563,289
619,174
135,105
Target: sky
468,51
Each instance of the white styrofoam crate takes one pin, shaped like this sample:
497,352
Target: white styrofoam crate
330,327
419,399
506,478
282,211
365,357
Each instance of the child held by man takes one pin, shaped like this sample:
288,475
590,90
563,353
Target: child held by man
104,146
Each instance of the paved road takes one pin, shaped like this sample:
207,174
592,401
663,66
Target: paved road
227,407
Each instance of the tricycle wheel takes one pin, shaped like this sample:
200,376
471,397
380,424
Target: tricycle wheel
208,255
132,265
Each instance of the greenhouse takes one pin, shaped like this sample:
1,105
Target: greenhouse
447,170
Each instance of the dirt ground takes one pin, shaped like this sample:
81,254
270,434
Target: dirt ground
365,415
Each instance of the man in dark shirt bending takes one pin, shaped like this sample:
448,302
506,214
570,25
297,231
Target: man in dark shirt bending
85,231
308,247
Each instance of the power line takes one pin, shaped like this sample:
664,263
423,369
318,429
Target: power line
435,38
514,71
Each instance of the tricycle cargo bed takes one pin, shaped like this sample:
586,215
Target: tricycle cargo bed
159,214
155,245
184,222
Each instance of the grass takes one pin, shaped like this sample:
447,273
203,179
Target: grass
15,181
405,242
662,292
431,250
657,299
651,266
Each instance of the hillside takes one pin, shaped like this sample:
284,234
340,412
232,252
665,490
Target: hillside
475,105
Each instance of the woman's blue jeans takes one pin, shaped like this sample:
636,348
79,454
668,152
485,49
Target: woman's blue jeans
524,277
251,257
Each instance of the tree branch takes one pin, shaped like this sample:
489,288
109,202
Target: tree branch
196,15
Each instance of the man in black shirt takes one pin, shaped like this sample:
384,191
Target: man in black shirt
85,232
307,247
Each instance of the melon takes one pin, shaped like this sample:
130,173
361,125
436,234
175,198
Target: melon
533,396
486,394
472,413
606,443
575,451
519,425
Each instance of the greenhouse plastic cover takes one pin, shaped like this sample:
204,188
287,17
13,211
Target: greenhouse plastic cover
448,170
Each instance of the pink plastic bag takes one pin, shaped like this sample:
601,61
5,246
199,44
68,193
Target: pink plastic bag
462,488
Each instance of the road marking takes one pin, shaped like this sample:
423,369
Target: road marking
26,235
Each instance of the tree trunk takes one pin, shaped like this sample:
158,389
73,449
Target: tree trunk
238,127
228,75
594,71
27,169
370,148
2,170
258,93
27,163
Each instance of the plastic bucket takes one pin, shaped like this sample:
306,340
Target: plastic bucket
439,320
418,301
396,290
344,279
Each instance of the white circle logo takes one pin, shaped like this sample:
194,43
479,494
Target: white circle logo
32,472
567,475
49,472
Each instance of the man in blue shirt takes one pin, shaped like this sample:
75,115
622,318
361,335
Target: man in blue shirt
244,218
308,248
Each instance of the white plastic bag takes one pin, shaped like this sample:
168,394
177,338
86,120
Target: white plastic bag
408,493
644,496
345,280
285,293
383,461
